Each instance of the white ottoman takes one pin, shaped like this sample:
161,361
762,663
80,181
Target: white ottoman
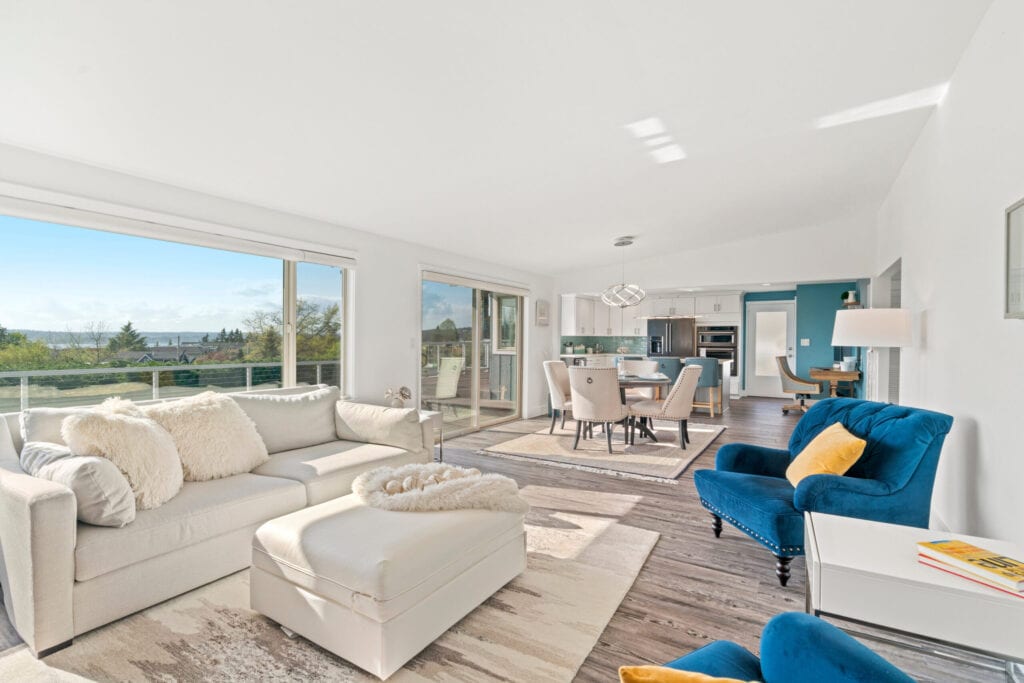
375,586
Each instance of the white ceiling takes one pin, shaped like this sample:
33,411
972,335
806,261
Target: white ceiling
492,129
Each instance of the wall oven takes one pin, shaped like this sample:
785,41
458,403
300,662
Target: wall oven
721,353
716,335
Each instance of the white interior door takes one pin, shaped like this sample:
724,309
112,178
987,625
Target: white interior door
771,332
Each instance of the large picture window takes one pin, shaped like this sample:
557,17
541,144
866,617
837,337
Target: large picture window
89,314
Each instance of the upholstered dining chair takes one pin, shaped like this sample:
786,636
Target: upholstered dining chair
802,389
710,384
596,399
891,482
639,368
558,389
677,406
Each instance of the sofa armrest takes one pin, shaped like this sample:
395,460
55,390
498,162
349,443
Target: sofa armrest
848,496
749,459
427,426
38,520
799,648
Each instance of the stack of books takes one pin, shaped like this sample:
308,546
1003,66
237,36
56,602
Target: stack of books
974,564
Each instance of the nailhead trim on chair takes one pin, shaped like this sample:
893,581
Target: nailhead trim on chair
784,550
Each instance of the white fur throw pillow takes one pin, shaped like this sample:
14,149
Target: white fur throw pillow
437,486
215,438
140,448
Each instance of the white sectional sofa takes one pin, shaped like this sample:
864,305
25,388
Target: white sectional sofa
61,578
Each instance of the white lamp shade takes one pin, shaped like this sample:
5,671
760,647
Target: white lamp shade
877,327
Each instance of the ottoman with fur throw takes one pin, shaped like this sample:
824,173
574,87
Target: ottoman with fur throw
375,586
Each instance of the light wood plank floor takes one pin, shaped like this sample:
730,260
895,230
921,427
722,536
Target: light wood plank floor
694,588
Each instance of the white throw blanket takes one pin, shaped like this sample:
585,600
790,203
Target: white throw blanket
436,486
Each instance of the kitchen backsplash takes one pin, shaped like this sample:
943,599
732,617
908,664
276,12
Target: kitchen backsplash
608,344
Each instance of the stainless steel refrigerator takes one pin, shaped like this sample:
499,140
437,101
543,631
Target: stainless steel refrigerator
675,337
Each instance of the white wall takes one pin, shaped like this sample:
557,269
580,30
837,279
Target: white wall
839,250
385,309
945,218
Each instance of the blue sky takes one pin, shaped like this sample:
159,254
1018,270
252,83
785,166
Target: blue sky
442,301
57,277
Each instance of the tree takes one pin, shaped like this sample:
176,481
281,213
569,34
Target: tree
447,331
205,339
96,334
127,339
8,338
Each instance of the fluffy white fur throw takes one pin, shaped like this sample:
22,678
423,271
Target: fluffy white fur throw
141,449
436,486
214,436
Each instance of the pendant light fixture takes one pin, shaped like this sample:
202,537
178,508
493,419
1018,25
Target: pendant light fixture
623,294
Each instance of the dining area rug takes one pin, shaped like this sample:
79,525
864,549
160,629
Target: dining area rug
663,460
581,562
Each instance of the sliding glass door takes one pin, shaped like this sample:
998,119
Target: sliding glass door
471,353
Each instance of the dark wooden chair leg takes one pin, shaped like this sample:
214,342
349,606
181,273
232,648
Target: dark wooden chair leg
686,430
716,525
608,430
682,434
782,569
563,417
579,428
554,416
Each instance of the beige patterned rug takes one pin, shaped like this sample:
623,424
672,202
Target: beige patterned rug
540,627
661,461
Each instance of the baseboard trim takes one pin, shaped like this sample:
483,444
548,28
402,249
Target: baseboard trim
56,648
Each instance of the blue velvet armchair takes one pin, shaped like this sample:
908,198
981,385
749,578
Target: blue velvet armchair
892,481
795,648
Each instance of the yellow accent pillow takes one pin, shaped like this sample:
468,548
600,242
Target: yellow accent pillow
833,451
663,674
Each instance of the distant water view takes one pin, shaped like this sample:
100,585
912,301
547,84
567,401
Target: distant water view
65,339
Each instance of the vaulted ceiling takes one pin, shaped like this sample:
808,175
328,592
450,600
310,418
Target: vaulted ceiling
492,129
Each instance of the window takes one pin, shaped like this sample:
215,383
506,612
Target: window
471,358
90,314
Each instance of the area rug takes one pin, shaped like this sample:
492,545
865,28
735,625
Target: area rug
540,627
661,461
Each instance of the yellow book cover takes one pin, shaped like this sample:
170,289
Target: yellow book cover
998,568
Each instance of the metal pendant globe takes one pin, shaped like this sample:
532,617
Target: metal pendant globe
623,294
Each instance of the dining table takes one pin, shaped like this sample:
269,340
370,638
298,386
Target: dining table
657,381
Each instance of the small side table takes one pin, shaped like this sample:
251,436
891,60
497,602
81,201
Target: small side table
437,419
867,573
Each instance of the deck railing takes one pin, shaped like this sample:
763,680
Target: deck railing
22,389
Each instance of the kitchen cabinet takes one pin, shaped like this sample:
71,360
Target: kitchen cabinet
684,306
577,316
601,316
718,304
634,318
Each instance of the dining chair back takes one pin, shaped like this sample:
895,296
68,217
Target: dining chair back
596,398
449,372
676,407
557,375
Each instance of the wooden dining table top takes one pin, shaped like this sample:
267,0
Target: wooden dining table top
654,380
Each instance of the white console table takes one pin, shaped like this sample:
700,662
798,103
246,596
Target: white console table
868,572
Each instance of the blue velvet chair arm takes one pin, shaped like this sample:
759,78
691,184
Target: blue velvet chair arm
799,648
847,496
749,459
721,658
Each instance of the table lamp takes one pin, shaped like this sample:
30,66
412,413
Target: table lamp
872,327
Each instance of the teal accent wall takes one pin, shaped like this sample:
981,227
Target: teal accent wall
608,344
815,316
787,295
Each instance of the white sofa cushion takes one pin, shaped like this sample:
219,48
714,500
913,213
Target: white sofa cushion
202,510
399,427
214,437
101,492
327,470
143,451
44,424
287,422
402,556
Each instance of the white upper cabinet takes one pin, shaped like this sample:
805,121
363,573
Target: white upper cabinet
718,306
577,316
661,306
601,315
683,305
634,318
